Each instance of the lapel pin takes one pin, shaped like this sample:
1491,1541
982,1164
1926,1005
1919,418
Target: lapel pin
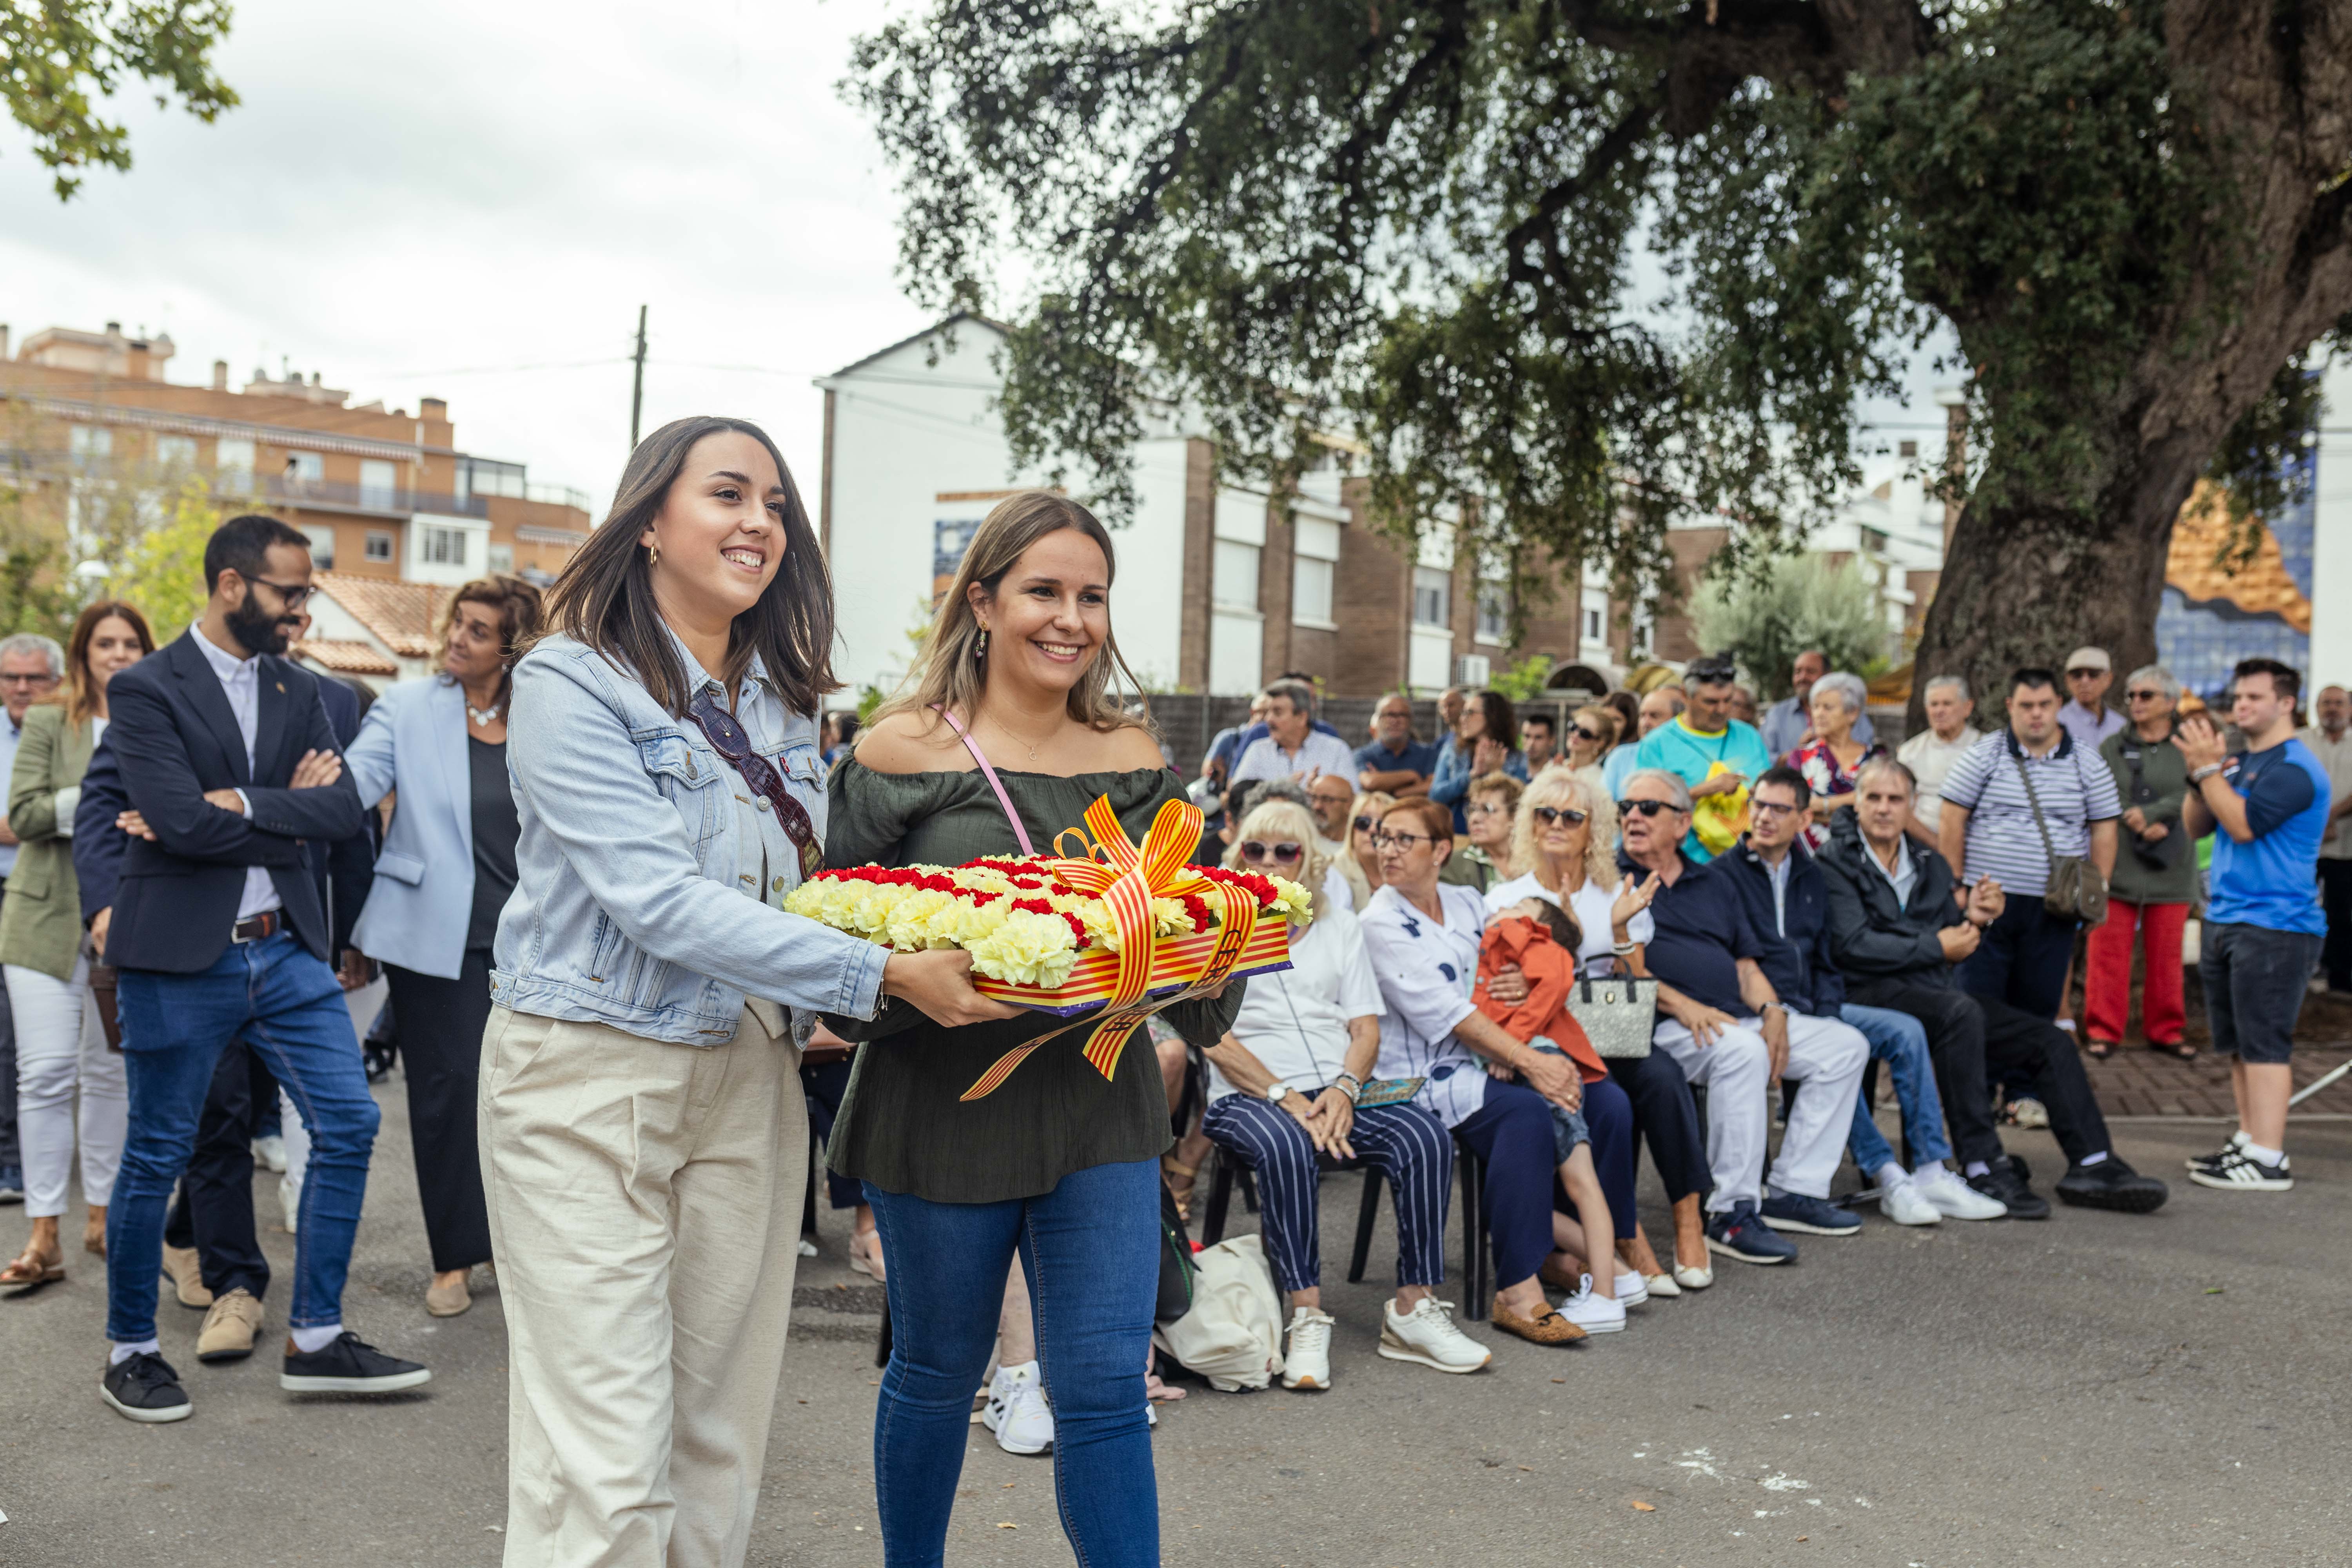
281,687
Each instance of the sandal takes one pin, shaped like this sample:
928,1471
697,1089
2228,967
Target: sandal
30,1271
93,1231
2179,1050
1172,1169
859,1262
2098,1050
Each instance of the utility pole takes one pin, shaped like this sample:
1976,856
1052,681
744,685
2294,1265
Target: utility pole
638,390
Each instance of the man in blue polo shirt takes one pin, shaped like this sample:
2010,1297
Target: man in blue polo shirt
1394,764
1721,1021
2263,926
1715,756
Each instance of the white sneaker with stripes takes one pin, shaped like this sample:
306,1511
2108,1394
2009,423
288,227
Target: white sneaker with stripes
2242,1172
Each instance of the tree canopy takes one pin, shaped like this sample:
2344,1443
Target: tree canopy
1767,616
1601,262
56,54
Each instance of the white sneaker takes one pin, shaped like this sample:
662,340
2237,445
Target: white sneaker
289,1198
1904,1204
1691,1276
1632,1290
1017,1412
1306,1363
1593,1314
1427,1335
1954,1199
270,1152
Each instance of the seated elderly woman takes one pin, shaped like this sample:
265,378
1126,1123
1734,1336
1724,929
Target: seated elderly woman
1567,837
1282,1089
1424,937
1490,808
1832,759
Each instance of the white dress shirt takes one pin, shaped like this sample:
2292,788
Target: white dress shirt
241,682
1319,754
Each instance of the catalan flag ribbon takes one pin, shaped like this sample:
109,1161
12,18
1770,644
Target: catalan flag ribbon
1128,878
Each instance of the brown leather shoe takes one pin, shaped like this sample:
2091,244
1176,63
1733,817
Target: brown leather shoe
187,1278
230,1327
448,1300
1550,1329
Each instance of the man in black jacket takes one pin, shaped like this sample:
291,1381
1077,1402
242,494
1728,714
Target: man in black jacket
1897,930
217,931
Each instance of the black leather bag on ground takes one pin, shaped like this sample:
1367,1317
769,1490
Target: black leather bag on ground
1177,1269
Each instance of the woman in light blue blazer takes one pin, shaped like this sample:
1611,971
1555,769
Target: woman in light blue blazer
438,747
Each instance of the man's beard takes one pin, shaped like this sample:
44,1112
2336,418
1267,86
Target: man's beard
255,630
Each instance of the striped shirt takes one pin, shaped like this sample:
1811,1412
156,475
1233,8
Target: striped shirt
2073,784
1426,971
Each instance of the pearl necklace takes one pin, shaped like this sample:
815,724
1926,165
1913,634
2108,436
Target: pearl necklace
485,717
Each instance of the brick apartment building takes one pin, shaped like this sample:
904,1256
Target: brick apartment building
386,497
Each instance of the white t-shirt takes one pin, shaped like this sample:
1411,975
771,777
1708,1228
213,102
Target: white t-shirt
1930,758
1426,971
1319,754
1296,1020
1591,906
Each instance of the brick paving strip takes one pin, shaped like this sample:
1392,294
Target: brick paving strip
2136,1082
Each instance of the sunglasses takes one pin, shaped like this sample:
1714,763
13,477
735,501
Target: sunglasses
1645,807
1367,825
2082,674
1486,808
1550,814
2145,696
727,739
1585,734
1280,854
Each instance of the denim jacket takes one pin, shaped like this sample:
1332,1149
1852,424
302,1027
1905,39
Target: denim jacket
647,875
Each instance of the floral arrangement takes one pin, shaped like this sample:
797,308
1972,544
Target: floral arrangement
1022,923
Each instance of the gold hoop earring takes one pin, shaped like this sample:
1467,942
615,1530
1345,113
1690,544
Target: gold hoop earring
653,553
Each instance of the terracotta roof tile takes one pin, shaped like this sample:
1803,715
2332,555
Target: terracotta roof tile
345,658
406,616
2261,586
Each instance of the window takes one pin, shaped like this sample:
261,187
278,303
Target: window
502,559
1907,449
1494,612
90,445
378,546
1592,626
1310,590
379,483
445,546
175,451
1237,575
1432,597
321,536
232,465
305,467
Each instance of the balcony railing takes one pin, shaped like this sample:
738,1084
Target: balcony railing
390,500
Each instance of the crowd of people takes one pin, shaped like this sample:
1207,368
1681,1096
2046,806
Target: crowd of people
563,856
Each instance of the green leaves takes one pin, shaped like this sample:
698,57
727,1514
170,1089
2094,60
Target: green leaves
56,54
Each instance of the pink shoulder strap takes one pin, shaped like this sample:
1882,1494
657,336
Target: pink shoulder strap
994,782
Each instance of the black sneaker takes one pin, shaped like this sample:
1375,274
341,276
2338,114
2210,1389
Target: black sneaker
2214,1162
143,1387
2239,1172
349,1365
2112,1184
2004,1182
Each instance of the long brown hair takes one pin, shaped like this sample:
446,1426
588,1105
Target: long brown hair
953,674
605,598
515,602
81,695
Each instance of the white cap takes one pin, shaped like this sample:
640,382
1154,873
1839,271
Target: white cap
2089,659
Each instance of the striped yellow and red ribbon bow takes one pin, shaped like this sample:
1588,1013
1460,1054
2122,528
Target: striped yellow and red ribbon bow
1128,878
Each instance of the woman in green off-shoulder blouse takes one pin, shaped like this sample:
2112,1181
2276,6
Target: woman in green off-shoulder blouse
1058,1166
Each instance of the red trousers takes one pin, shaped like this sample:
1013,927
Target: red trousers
2106,979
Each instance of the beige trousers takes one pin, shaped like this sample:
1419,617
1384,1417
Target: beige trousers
645,1205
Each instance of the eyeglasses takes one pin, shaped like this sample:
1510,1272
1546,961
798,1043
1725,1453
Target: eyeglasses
1771,808
1404,841
1486,808
1645,807
1280,854
2145,696
27,680
1550,814
2082,674
294,594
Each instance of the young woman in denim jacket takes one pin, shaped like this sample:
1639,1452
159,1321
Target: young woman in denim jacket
643,1140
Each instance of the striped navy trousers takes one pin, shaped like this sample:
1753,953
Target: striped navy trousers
1408,1144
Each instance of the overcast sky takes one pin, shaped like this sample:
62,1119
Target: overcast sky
413,200
424,200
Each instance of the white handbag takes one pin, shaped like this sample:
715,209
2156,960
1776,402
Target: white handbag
1617,1011
1232,1335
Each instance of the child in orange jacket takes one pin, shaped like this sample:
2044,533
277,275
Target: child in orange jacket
1541,939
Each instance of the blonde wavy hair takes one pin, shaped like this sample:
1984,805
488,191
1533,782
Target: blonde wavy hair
1275,822
1372,802
1557,787
954,671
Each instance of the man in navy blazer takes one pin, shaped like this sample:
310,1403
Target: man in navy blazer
216,928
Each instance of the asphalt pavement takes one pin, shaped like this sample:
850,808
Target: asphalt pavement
2095,1390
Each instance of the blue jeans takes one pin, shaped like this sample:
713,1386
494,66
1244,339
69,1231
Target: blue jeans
1899,1040
1090,1252
287,1006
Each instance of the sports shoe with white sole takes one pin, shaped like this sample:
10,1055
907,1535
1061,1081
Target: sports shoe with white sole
1954,1199
1632,1290
1306,1363
1017,1412
270,1154
1593,1314
1904,1204
1427,1335
143,1387
347,1364
2214,1162
2243,1173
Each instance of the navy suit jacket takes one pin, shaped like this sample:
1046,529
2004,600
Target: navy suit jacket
172,736
347,871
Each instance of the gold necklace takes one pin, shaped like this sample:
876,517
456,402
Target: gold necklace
1015,734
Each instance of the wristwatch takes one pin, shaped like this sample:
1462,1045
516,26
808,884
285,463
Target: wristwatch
1275,1095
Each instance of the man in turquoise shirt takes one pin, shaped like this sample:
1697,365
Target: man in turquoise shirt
1716,755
